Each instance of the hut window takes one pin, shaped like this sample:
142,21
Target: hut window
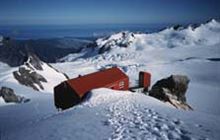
121,84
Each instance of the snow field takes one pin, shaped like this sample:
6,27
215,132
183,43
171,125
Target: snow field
138,120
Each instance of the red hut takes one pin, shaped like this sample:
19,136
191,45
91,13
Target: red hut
71,92
144,80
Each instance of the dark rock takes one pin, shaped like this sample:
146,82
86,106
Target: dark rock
29,78
26,75
173,90
194,26
9,96
34,61
37,77
104,49
178,27
16,52
29,73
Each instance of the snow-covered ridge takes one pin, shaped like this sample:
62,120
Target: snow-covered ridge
121,43
34,74
122,39
205,34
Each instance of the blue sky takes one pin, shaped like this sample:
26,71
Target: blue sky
41,12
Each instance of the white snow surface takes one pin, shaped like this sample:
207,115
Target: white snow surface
53,77
106,114
115,115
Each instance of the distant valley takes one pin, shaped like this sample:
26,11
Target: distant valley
15,52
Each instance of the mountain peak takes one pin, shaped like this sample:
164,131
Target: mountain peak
121,39
34,62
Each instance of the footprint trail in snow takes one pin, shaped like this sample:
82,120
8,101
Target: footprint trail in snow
130,121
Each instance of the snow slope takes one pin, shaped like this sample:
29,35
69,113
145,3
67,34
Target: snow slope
109,114
7,79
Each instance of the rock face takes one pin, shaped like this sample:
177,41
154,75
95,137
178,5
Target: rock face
34,61
27,75
172,90
38,75
10,97
29,78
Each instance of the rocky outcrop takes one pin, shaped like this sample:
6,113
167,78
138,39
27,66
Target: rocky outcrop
34,61
172,90
37,74
29,78
27,75
10,97
178,27
104,49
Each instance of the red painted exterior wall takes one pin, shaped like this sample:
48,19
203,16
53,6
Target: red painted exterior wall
122,84
144,79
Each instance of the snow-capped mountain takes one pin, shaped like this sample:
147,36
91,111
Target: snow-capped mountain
191,51
122,39
34,74
205,34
